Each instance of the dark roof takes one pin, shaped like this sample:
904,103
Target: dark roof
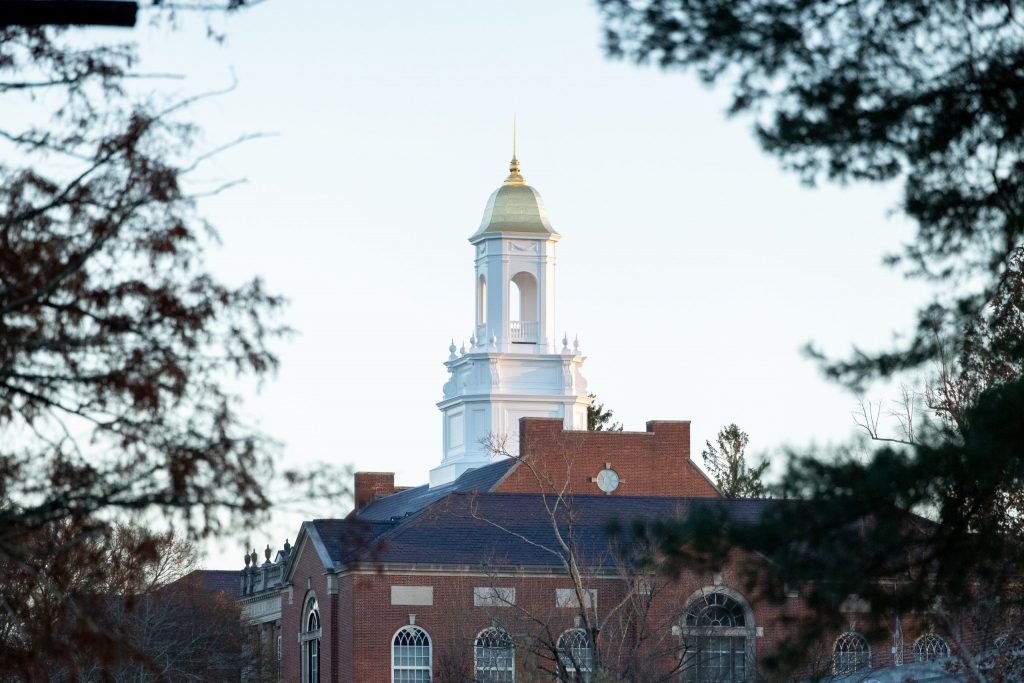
399,505
344,538
491,528
227,581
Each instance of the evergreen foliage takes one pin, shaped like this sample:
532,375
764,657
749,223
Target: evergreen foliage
933,526
926,94
599,418
727,464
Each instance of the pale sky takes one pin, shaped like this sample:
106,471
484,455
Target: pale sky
692,267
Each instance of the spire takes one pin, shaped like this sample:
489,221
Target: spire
513,168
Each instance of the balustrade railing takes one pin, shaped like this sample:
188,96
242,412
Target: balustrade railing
257,578
523,331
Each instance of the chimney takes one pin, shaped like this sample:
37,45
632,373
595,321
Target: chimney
673,434
370,485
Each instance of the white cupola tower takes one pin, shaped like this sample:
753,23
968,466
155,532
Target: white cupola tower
514,366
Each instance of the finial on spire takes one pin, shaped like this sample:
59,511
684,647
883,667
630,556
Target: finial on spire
513,168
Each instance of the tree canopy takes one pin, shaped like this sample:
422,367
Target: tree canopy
727,465
599,418
923,93
120,352
927,95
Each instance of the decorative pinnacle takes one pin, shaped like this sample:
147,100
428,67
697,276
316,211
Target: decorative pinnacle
513,168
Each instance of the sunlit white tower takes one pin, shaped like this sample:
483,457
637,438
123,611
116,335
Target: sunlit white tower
515,366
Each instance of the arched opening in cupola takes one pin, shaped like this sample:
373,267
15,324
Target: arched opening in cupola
481,301
523,307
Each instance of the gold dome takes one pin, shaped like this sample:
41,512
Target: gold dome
515,207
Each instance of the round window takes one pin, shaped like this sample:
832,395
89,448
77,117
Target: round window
608,480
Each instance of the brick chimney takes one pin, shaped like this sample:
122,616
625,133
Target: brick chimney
370,485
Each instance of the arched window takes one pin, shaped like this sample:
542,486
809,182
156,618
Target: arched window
522,308
410,655
310,638
515,300
481,301
494,657
719,632
1007,654
930,647
850,653
576,651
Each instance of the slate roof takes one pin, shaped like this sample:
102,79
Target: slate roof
399,505
480,528
345,538
227,581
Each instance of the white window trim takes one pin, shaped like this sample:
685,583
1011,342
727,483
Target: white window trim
570,665
430,653
476,663
921,643
866,652
306,637
750,631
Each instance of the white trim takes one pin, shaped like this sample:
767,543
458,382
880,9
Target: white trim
851,635
570,665
509,235
308,637
509,572
749,631
748,610
546,398
307,534
922,642
430,651
512,643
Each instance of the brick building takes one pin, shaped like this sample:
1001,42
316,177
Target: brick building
501,567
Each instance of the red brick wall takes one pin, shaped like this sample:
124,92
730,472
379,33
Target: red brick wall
370,485
346,623
360,621
308,577
652,463
363,620
453,621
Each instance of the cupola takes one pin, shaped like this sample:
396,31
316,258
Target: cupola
515,207
513,366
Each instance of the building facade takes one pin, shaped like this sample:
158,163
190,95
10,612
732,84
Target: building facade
504,565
